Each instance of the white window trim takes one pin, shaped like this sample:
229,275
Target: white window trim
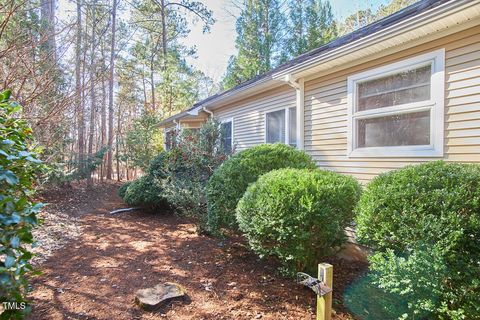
436,105
287,124
232,131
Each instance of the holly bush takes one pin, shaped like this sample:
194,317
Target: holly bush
18,214
298,215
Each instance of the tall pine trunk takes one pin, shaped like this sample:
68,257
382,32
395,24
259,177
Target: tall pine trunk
92,93
110,93
103,113
78,90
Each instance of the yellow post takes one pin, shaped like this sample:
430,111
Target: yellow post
324,303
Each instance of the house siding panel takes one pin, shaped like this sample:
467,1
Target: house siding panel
249,115
326,110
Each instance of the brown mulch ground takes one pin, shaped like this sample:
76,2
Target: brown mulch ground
96,273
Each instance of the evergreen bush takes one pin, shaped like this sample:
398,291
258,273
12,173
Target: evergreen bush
297,215
426,215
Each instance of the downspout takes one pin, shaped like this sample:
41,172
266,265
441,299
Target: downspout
208,111
298,85
177,124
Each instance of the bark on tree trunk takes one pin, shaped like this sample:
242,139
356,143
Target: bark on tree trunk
110,94
78,89
47,13
152,84
117,145
164,36
103,124
92,93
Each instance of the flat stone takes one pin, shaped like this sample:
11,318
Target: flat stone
161,294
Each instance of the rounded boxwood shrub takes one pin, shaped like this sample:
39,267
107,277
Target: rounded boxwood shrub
431,212
123,189
145,192
231,179
298,215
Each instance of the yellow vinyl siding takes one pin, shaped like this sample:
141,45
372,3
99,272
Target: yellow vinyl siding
326,109
249,115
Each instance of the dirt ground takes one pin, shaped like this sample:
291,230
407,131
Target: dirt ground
96,273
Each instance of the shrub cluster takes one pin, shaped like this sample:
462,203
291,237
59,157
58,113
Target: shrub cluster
424,223
229,182
178,177
297,215
189,166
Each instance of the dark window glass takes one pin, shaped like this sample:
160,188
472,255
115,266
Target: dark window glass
227,136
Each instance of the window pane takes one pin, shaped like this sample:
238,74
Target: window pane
276,126
400,88
227,136
409,129
292,117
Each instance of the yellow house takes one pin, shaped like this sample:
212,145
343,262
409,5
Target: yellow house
403,90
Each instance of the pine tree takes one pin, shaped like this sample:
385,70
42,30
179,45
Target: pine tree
312,24
259,33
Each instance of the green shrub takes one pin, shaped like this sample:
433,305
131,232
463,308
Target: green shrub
297,215
123,189
157,167
19,167
229,182
409,214
146,192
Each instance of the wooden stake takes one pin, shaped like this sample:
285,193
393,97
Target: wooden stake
324,303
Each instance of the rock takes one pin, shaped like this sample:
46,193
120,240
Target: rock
154,298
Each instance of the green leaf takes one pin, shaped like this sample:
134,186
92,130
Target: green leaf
9,177
5,95
15,242
9,261
8,142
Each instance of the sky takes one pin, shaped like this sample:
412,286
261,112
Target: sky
215,48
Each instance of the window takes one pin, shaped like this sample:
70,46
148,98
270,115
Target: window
227,131
281,126
397,110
